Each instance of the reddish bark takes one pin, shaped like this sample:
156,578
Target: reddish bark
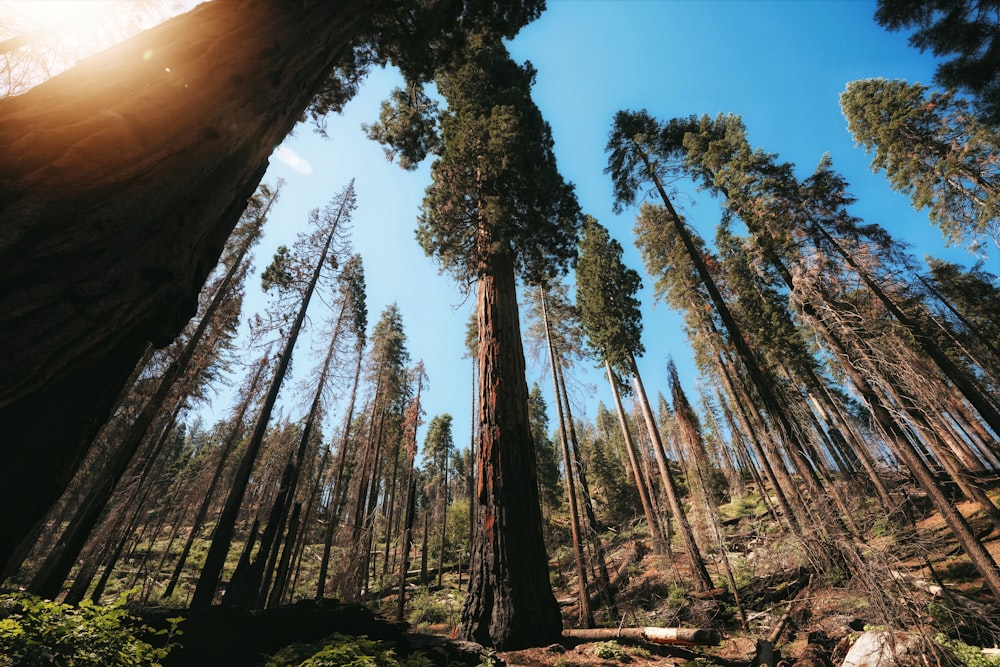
510,603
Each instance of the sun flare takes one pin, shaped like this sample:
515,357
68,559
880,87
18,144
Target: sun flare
68,23
49,14
40,38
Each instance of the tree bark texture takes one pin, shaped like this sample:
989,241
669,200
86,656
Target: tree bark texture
510,603
120,182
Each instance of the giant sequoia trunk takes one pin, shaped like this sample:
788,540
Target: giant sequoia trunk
121,180
510,602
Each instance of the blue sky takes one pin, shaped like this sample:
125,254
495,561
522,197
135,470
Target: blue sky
781,65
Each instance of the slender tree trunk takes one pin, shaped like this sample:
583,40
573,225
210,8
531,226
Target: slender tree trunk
655,531
404,562
227,448
444,521
338,496
594,537
222,538
586,615
700,577
281,574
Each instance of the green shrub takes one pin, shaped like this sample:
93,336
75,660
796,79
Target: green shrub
967,655
428,609
39,633
609,650
344,651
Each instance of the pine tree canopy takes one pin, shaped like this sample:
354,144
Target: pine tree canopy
967,30
933,149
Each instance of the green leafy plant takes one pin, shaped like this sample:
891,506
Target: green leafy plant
345,651
428,609
487,658
609,650
965,654
39,633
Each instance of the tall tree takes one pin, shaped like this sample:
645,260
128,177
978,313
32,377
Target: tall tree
586,614
609,313
331,225
967,30
933,148
439,446
193,109
388,376
497,208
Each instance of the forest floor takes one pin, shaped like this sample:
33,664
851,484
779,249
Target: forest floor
810,617
809,613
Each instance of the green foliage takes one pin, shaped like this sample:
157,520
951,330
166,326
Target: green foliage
39,633
547,459
439,446
352,291
932,149
344,651
496,188
487,658
605,296
970,656
749,506
407,127
966,30
609,650
278,274
429,609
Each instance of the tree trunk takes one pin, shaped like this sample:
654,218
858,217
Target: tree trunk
682,636
128,172
586,615
594,537
700,578
655,531
221,539
338,497
510,603
404,561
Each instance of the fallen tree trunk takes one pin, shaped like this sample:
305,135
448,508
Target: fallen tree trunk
940,592
683,636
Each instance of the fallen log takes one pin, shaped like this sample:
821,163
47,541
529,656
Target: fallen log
793,608
939,592
682,636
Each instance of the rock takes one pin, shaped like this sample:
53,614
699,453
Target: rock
883,649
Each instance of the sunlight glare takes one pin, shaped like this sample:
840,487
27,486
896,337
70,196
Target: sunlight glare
60,15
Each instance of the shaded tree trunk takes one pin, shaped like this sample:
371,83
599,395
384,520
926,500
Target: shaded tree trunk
133,199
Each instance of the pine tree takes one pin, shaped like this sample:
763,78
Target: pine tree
335,218
439,446
967,30
609,314
933,148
